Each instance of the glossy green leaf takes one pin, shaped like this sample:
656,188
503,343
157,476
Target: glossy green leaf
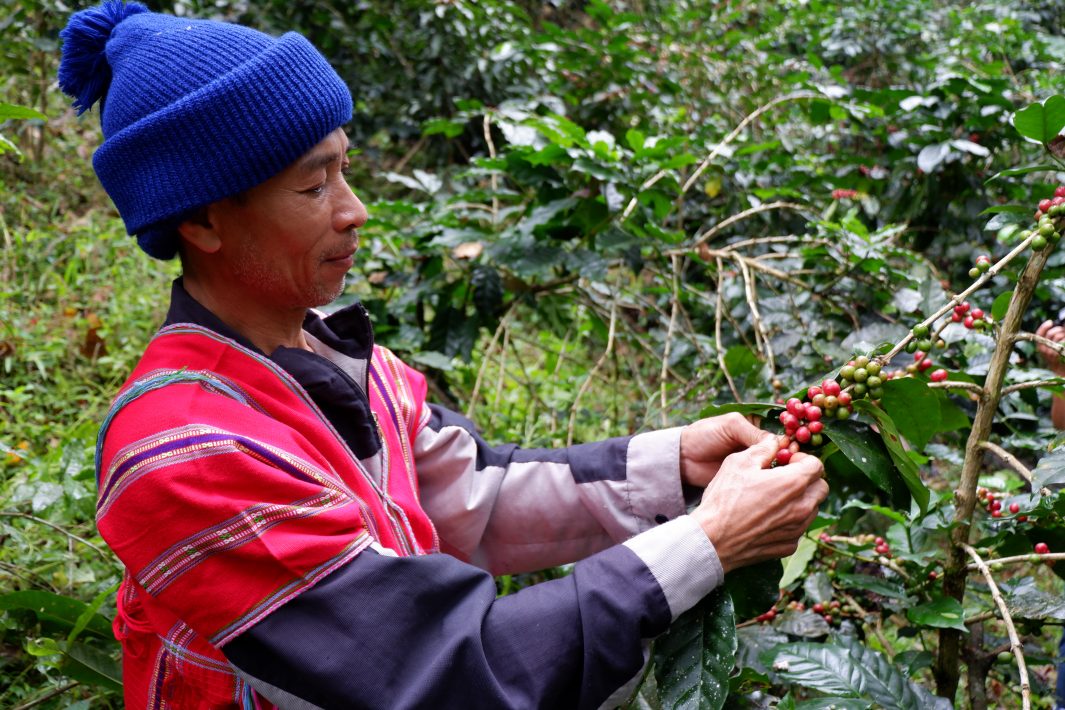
1050,471
941,613
11,111
746,408
1013,172
1000,304
803,623
835,703
877,585
58,611
1041,122
887,512
891,439
694,658
865,449
850,671
1032,603
754,588
795,564
914,409
91,666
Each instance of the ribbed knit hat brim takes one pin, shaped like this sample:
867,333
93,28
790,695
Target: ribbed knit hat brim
194,111
232,134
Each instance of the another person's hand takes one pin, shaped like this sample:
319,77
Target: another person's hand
1051,357
752,513
705,444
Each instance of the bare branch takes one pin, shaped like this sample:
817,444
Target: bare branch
675,300
72,536
1015,642
740,216
717,333
958,385
487,358
1017,559
1032,384
595,369
495,176
756,317
1009,459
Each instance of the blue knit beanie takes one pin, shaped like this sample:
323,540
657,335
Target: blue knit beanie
192,111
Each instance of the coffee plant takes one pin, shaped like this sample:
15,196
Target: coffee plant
593,218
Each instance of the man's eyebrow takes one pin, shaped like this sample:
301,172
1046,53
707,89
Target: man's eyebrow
318,161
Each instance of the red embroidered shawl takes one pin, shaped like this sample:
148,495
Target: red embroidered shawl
226,492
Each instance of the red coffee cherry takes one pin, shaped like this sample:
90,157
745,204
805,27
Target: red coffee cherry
815,427
831,388
939,375
1041,548
1015,508
783,457
813,413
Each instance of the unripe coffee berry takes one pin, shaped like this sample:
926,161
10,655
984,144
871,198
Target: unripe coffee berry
843,413
920,331
1039,242
816,439
861,361
818,400
873,368
847,372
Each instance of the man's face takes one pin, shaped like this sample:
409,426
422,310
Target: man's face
290,240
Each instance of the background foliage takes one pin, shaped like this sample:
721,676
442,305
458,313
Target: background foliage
548,244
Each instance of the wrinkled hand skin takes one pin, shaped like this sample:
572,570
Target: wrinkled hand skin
752,513
705,444
1055,333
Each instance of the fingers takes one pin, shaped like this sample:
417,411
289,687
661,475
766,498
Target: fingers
739,430
1042,329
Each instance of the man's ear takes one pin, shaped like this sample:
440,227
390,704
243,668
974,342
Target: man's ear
198,231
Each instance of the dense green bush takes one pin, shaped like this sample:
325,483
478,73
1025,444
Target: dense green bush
588,219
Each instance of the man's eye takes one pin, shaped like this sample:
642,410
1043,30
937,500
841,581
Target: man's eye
316,190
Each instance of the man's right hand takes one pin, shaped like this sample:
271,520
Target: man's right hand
752,513
1051,357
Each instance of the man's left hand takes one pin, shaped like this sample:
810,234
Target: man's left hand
705,443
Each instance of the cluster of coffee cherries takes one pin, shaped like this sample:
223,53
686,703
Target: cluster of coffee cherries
983,265
830,611
882,547
993,505
1045,231
970,317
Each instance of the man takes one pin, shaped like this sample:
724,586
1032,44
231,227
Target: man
297,523
1052,358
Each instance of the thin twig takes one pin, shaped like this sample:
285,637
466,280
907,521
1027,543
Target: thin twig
1009,459
1032,384
27,516
1015,642
495,175
729,221
1032,337
1017,559
595,369
675,299
717,333
715,152
487,358
958,385
797,96
983,279
48,696
756,316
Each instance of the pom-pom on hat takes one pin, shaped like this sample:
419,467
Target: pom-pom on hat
192,111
